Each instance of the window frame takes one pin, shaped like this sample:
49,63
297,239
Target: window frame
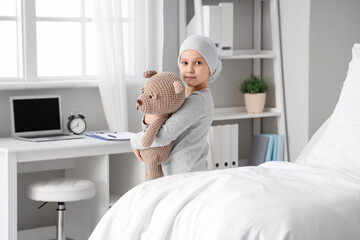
19,49
27,68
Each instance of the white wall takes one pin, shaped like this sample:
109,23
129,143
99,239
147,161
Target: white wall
317,37
334,29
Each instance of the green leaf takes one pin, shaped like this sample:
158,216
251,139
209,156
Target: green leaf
254,84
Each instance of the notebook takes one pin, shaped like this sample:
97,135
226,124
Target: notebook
37,118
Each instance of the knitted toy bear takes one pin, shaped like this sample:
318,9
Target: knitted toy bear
163,94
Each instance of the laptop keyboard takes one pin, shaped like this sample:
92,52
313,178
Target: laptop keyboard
51,137
47,136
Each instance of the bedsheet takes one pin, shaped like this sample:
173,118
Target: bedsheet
274,201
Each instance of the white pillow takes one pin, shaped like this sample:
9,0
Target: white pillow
339,145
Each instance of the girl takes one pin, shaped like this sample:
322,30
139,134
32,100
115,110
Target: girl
199,65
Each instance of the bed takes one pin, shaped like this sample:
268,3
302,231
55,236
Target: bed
317,197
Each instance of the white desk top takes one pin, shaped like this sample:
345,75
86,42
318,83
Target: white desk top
33,151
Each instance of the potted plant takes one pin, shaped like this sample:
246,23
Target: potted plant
254,89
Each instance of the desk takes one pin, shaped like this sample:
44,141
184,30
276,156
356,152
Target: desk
90,161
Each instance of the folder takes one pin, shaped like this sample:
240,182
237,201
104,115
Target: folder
111,136
210,158
226,28
217,136
277,153
271,153
258,150
234,132
280,149
223,147
212,23
270,148
226,146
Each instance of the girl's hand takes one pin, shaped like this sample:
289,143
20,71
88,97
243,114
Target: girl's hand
149,119
137,153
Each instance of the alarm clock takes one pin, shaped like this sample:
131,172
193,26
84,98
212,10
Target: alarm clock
76,124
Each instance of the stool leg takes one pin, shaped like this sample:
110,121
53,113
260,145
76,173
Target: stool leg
60,227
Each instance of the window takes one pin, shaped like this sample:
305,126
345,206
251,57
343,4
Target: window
51,40
10,47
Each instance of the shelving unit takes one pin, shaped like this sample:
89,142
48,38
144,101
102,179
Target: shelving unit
234,113
251,54
256,54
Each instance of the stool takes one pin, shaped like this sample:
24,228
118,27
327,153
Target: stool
61,190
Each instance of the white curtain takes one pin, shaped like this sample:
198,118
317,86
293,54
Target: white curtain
130,41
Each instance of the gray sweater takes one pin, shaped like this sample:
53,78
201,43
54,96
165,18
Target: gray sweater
188,128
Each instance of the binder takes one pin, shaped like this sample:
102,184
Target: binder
212,23
226,28
217,149
280,149
258,150
234,132
210,158
223,147
277,153
271,153
226,146
269,149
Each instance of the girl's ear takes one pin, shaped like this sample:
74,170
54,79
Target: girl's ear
178,86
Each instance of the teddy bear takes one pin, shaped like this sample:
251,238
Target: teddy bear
163,94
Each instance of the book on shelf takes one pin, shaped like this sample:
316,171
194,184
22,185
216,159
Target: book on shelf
277,153
280,148
111,136
258,150
270,147
266,147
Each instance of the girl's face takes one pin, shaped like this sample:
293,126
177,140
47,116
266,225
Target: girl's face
194,69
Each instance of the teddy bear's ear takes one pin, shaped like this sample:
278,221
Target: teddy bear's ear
178,86
149,73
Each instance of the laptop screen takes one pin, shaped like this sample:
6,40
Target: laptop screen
36,115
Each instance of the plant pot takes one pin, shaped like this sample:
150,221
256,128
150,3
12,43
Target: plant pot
255,103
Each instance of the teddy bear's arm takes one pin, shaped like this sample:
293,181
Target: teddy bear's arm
152,130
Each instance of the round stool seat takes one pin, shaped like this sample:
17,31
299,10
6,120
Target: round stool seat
61,190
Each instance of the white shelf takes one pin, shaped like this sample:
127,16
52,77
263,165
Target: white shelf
233,113
250,54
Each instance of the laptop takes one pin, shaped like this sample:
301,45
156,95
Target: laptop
38,118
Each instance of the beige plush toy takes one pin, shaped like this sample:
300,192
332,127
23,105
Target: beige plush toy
163,94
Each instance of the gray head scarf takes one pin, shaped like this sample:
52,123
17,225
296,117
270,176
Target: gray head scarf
207,49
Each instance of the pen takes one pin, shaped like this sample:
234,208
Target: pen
111,136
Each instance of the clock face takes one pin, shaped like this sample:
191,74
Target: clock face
77,125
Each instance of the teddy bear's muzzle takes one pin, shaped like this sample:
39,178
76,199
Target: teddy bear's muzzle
139,102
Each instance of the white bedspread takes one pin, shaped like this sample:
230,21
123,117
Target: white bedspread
275,201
